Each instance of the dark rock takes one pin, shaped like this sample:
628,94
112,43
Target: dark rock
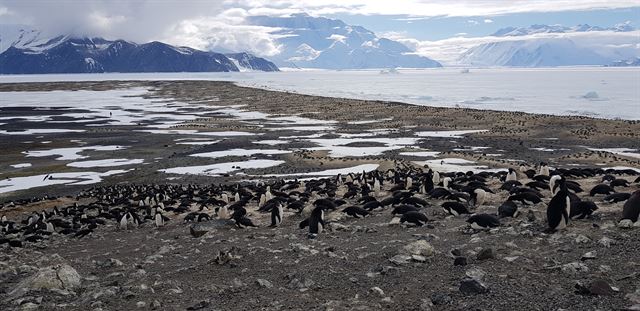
486,253
460,261
598,287
440,299
470,286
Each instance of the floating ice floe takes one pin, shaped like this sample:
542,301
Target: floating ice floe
222,168
21,165
106,163
338,147
455,165
74,178
239,153
195,132
420,153
627,152
71,153
40,131
334,172
448,134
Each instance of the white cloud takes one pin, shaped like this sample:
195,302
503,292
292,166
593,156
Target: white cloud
472,22
488,21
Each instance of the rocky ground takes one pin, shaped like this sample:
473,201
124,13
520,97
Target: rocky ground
369,263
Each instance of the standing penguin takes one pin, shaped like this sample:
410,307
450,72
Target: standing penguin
159,220
631,209
436,178
554,185
511,175
315,222
544,169
559,208
478,197
276,215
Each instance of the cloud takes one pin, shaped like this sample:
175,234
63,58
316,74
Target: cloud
488,21
472,22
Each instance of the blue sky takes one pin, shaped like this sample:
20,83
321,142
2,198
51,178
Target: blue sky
437,28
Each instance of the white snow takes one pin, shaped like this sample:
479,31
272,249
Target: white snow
239,153
71,153
21,165
420,153
75,178
105,163
337,148
195,132
222,168
40,131
272,142
201,142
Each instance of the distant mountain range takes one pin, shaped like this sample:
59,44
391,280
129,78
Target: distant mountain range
534,29
544,45
317,42
27,51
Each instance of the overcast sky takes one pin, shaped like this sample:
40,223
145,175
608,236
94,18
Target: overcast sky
220,24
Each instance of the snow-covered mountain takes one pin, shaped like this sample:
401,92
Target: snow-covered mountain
627,63
28,51
543,45
532,53
318,42
535,29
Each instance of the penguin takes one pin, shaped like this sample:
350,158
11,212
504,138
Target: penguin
454,208
408,183
553,184
244,222
559,208
508,185
159,220
526,198
416,218
544,169
376,187
276,215
619,183
50,227
315,222
617,197
403,209
511,175
537,185
355,211
601,189
582,209
123,222
483,221
439,193
223,212
478,197
631,208
508,209
435,178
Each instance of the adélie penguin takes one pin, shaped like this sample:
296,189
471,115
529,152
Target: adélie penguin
559,208
315,222
483,221
416,218
508,209
631,209
276,215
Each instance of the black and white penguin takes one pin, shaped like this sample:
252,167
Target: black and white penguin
355,211
403,209
508,209
454,208
617,197
315,222
478,197
416,218
619,183
526,198
511,175
244,222
544,169
483,221
631,208
601,189
159,220
559,208
276,215
582,209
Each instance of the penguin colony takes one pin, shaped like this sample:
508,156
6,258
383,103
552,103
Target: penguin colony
404,194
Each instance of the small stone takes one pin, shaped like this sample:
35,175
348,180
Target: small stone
475,273
155,304
439,299
264,283
141,304
377,290
400,259
606,242
418,258
460,261
420,247
589,255
582,239
598,287
471,286
511,259
486,253
456,252
625,224
574,268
